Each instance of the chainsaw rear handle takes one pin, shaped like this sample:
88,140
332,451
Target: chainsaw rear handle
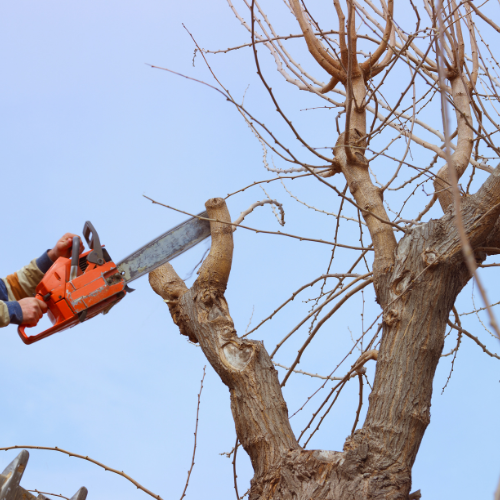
21,330
96,256
64,324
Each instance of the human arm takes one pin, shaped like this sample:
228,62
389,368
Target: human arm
17,290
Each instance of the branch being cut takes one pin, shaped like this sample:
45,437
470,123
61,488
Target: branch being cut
172,288
258,407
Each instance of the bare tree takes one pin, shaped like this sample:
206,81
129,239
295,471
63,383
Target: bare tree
434,53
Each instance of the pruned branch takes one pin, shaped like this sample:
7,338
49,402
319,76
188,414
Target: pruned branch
243,365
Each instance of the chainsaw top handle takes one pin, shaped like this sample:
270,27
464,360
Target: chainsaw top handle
96,256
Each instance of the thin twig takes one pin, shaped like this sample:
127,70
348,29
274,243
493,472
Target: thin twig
51,494
323,276
480,309
358,411
195,436
279,233
320,324
235,476
253,206
76,455
316,311
266,181
455,350
475,339
333,371
315,375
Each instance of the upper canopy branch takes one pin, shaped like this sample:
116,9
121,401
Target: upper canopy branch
462,100
348,53
369,64
316,48
461,156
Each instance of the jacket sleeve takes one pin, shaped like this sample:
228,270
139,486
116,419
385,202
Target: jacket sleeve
20,285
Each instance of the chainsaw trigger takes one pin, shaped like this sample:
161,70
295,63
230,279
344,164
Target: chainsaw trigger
128,289
82,316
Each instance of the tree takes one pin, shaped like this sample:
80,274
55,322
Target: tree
417,265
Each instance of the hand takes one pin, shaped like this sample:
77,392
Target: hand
33,310
63,247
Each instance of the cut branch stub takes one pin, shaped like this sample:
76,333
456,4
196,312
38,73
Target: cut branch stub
214,272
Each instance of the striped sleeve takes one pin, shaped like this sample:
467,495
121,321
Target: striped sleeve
20,285
10,310
4,315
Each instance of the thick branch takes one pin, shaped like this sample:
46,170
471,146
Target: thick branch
481,211
370,63
259,410
325,60
461,157
214,272
342,33
167,284
364,192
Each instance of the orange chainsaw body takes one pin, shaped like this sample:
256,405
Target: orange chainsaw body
72,301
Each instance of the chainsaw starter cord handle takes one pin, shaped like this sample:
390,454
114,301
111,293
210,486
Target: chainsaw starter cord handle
75,256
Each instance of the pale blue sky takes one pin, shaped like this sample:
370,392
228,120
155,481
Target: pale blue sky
88,128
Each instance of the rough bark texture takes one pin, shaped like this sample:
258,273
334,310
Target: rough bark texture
417,293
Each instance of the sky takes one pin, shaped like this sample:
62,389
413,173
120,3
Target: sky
88,128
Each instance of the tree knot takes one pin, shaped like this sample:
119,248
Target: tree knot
430,257
391,317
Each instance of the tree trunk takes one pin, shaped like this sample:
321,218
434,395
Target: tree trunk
416,293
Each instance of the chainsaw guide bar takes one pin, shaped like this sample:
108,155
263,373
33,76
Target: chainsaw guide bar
165,248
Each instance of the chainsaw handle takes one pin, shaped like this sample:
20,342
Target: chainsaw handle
92,238
21,330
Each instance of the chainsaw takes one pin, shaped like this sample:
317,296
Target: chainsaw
87,284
